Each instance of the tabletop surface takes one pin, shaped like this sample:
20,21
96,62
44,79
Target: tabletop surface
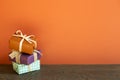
64,72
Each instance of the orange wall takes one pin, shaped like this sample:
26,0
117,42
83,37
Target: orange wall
68,31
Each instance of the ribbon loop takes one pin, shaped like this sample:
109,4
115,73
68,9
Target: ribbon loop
38,52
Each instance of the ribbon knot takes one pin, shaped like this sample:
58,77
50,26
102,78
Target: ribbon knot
24,37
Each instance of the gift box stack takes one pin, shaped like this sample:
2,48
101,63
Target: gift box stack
24,56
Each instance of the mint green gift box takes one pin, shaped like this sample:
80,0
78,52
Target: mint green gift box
22,68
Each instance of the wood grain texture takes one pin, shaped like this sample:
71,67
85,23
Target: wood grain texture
64,72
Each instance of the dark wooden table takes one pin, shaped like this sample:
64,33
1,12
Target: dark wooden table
64,72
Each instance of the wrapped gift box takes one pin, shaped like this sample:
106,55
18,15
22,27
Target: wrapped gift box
22,68
23,58
26,47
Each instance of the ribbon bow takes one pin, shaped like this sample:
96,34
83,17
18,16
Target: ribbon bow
24,37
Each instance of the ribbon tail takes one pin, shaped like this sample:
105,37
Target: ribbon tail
18,57
35,56
34,42
20,45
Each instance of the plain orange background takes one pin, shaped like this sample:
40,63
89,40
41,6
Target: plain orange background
68,31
